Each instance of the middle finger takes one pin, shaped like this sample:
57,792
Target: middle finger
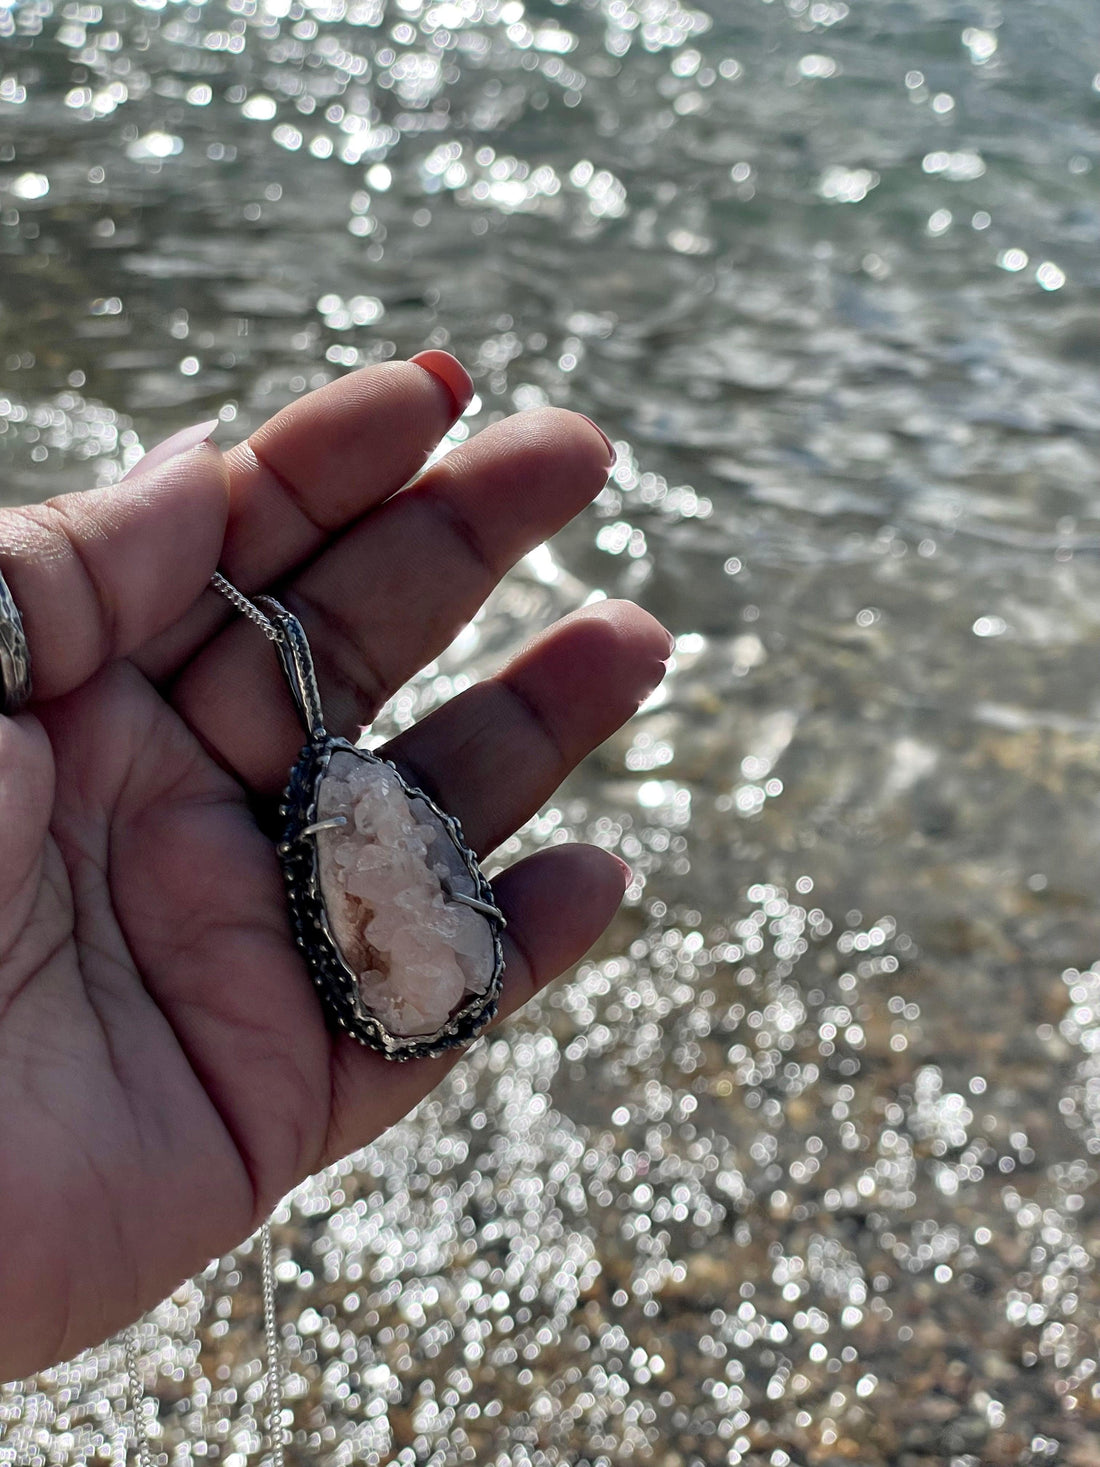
388,595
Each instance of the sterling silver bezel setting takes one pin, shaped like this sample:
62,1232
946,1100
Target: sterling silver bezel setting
337,984
15,657
335,981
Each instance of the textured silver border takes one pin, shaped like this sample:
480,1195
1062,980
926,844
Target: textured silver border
335,981
15,656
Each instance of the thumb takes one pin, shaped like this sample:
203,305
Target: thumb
95,575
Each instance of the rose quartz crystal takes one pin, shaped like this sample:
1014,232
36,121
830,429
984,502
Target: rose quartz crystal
416,954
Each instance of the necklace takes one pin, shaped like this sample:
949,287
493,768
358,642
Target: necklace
391,911
388,904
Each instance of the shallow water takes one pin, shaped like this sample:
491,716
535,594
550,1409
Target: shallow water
801,1167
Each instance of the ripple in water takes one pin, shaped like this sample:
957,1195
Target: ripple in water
778,1178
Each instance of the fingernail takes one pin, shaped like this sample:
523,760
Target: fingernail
454,376
657,670
628,875
611,455
181,442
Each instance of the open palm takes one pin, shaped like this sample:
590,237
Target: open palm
165,1071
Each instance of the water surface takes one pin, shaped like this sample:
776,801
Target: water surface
801,1167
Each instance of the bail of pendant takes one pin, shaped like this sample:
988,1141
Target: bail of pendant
296,660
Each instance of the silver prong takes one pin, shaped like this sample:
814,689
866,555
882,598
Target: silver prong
332,823
485,908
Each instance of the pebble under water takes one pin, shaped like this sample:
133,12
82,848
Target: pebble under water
801,1167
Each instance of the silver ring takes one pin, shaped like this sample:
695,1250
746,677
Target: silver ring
15,656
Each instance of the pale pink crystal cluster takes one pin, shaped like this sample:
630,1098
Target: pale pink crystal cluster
415,953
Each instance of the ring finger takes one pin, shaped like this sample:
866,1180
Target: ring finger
496,753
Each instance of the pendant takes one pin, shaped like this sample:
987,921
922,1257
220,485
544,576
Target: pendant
389,906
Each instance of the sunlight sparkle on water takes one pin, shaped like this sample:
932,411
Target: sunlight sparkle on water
751,1181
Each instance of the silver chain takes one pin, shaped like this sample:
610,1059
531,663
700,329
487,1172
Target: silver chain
273,1385
243,605
275,1432
137,1399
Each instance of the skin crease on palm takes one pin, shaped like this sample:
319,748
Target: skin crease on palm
165,1071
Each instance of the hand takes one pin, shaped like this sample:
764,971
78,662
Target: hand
165,1071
